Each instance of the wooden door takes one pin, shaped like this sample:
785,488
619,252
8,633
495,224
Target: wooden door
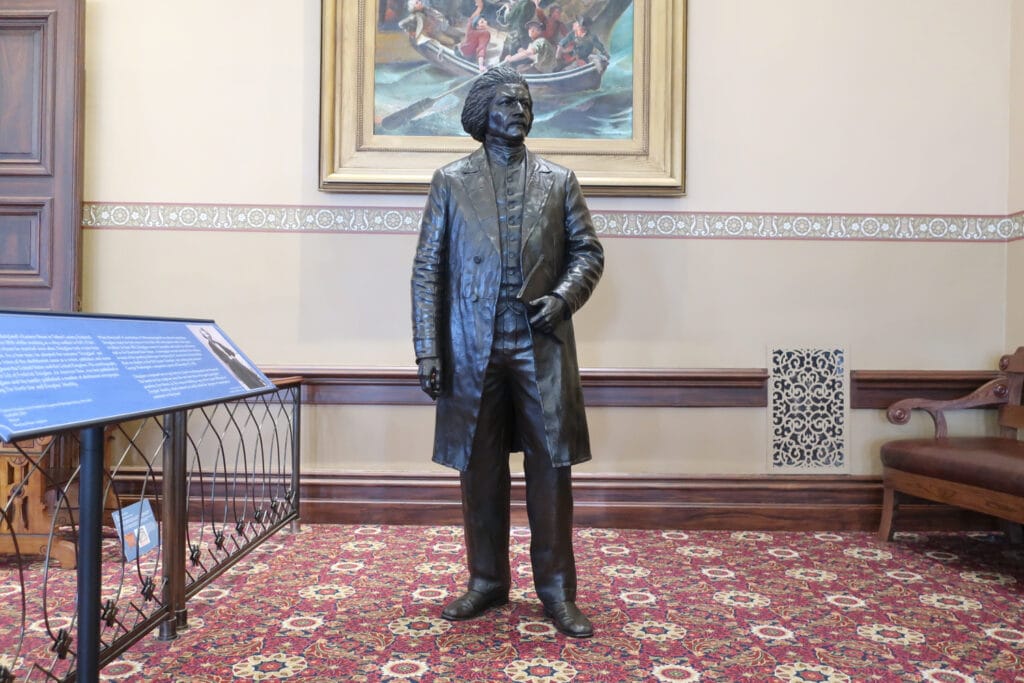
41,85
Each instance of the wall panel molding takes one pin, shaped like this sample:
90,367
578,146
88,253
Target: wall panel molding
405,220
28,45
26,233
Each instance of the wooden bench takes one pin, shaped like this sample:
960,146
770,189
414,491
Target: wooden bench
984,474
31,475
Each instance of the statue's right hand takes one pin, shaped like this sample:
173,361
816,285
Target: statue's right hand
429,371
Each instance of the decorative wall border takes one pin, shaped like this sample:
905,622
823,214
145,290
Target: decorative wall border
405,220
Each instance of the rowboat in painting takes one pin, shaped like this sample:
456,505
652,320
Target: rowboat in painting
604,14
586,77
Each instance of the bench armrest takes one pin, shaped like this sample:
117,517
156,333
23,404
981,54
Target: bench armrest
993,392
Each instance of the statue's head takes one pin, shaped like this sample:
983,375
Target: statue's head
476,110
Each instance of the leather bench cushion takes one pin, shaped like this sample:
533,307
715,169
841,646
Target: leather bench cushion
986,462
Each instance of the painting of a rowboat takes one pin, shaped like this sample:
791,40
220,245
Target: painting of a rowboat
608,79
576,55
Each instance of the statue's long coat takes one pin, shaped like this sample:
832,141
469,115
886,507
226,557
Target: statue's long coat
455,282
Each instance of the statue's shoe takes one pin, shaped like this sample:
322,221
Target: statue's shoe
569,619
472,604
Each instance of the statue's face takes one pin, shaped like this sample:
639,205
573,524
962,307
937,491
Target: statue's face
511,113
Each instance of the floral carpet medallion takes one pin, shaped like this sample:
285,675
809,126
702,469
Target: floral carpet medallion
362,603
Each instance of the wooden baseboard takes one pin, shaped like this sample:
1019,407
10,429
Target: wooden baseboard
756,503
770,503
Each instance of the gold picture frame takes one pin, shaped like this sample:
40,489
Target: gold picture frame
356,156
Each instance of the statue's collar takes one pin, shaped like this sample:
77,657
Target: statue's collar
504,155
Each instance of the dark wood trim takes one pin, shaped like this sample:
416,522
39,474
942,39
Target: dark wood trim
642,388
759,503
881,388
792,503
711,388
714,388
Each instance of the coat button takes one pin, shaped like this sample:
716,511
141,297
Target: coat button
477,259
475,298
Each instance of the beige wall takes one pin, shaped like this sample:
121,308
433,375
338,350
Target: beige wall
1015,256
1016,147
826,106
812,106
793,105
1015,295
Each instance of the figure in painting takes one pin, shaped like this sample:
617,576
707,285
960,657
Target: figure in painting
478,37
507,254
539,55
519,13
581,45
554,28
424,19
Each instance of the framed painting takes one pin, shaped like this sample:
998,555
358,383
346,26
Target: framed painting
608,80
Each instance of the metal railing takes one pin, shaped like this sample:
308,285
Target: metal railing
219,479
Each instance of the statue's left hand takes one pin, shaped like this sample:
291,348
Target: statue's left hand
548,311
429,372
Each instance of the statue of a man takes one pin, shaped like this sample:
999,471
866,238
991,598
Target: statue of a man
507,253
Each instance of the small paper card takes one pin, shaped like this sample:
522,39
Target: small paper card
137,528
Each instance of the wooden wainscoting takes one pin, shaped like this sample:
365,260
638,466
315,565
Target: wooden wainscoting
757,502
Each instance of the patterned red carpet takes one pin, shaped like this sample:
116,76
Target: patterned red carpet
346,603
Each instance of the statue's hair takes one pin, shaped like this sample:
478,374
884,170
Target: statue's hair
478,102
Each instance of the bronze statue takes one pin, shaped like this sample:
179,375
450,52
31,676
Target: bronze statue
507,253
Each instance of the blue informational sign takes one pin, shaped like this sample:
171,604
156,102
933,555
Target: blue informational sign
62,371
137,528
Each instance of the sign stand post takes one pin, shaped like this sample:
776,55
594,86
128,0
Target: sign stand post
90,525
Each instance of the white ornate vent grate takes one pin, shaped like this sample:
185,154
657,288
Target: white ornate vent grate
808,409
